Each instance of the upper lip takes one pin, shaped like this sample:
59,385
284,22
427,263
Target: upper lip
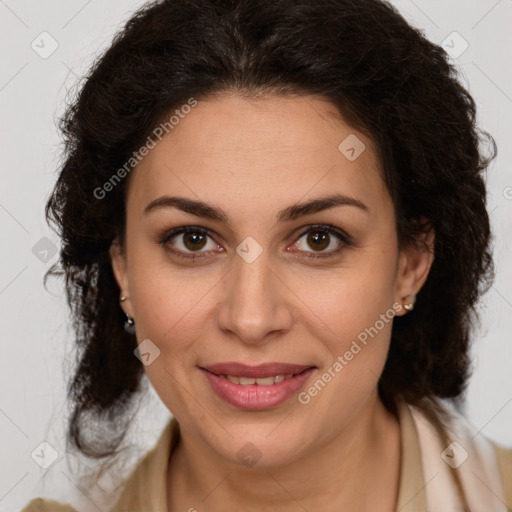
261,370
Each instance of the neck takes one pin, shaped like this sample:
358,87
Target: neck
357,470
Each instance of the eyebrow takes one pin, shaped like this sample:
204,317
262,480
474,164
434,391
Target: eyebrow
292,212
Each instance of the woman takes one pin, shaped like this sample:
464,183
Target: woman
276,212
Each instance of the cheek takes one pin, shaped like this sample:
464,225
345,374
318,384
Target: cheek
357,344
164,296
171,309
352,309
168,306
351,298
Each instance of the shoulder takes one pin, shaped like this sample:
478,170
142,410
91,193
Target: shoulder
504,460
483,467
146,488
491,456
42,505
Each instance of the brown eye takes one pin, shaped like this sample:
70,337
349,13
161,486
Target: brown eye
194,241
322,241
189,242
318,240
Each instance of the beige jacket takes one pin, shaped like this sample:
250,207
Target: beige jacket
420,483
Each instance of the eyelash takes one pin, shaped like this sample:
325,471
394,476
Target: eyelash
346,241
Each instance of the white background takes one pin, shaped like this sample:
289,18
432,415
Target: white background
36,345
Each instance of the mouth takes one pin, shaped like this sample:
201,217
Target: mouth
260,381
261,371
256,387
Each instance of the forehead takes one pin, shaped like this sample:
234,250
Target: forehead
272,149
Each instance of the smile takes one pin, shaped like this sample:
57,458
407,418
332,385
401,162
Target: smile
257,392
260,381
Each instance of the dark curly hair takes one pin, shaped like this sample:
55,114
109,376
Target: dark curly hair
385,78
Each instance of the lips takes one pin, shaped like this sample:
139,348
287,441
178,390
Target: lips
239,370
256,387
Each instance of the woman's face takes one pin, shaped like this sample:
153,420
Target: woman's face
244,285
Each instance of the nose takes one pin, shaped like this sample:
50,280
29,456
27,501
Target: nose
255,304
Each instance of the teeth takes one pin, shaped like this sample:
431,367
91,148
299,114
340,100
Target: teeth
261,381
265,381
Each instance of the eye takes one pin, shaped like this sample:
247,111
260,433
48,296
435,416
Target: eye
323,240
191,242
190,239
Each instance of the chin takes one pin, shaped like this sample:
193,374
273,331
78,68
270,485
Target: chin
265,445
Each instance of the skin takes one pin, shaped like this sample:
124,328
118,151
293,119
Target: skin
253,158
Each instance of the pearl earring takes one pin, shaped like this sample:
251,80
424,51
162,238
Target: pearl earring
129,324
409,306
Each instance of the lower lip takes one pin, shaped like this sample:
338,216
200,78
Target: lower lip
253,396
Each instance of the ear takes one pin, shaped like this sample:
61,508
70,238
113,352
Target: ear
414,265
118,261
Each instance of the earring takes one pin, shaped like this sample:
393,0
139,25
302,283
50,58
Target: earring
409,306
129,325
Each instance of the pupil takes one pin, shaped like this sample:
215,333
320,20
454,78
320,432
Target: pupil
318,239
